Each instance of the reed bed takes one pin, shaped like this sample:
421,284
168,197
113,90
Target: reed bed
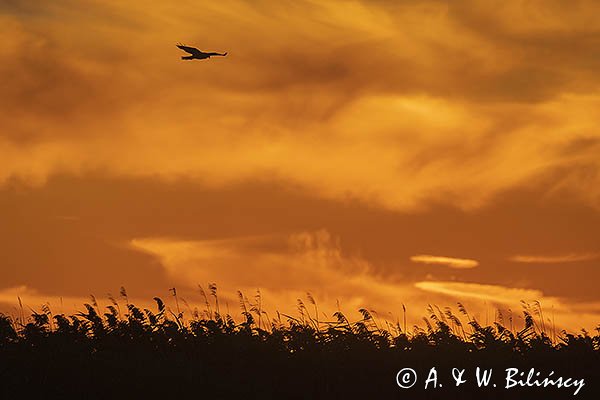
115,349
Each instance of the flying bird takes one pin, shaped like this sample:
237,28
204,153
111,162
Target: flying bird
197,54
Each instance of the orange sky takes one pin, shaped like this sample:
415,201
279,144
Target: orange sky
374,152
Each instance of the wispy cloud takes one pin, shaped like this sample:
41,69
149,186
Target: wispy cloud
555,259
493,293
285,268
572,314
458,263
269,102
292,265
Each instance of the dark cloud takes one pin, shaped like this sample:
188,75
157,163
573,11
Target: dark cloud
92,65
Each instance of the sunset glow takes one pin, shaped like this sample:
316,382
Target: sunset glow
371,153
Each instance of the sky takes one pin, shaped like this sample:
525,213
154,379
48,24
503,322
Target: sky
372,153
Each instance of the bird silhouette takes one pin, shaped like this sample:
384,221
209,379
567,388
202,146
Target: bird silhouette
197,54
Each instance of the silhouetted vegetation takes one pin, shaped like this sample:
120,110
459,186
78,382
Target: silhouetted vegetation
125,351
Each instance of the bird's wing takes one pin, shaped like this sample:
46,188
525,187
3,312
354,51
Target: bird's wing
192,50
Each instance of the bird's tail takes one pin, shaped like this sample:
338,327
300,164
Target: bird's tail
187,57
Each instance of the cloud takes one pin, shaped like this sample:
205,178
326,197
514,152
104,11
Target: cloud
48,253
502,297
492,293
565,258
284,267
314,262
343,112
458,263
32,299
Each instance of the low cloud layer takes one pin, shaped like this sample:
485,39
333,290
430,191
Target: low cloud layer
289,267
